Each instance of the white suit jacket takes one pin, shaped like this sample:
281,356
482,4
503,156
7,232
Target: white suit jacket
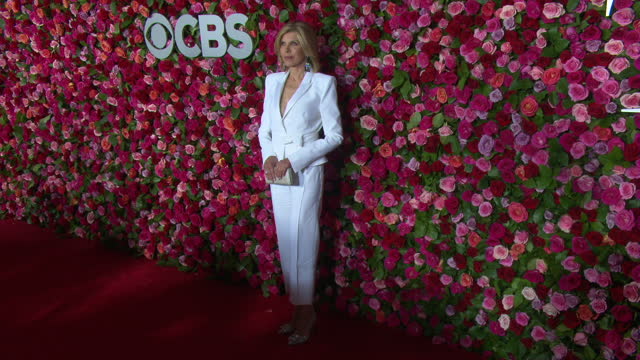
295,134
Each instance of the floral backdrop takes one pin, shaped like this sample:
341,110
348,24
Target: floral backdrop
487,195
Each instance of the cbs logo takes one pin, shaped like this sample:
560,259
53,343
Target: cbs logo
160,37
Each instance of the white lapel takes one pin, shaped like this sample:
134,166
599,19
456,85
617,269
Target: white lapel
304,86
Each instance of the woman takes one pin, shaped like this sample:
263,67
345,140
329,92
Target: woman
298,104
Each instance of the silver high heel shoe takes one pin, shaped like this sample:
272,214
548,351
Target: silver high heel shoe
296,339
286,329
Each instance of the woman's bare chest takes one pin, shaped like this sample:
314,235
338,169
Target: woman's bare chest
287,93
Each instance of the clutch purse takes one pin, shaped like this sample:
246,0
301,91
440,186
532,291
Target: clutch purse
289,178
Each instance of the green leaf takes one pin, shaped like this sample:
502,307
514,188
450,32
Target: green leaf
284,16
572,4
463,71
561,44
406,89
438,120
415,120
614,157
420,229
399,78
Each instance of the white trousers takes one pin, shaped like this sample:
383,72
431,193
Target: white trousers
297,214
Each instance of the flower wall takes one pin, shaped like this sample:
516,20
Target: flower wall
486,195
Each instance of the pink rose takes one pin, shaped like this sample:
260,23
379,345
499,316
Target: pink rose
507,11
600,73
614,47
625,220
500,252
624,16
578,92
627,190
577,150
604,279
565,223
581,339
388,200
628,346
368,122
553,10
446,279
570,264
508,301
448,184
612,88
504,321
483,164
618,65
489,303
581,113
599,306
455,8
522,318
620,125
572,65
631,292
374,304
541,157
559,351
538,333
559,302
585,183
630,100
591,275
633,249
589,138
485,209
518,212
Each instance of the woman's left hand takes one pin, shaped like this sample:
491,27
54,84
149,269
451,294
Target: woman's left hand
281,167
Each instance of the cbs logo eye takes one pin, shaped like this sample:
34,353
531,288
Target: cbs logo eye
160,36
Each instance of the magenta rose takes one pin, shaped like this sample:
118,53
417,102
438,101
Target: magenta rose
538,333
611,196
625,220
541,157
613,339
578,92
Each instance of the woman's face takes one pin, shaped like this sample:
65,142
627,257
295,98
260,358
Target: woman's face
291,51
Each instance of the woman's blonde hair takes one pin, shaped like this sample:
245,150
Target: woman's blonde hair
308,41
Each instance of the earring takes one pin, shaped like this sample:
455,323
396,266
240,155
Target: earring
307,66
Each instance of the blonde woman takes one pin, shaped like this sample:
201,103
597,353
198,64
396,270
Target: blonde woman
299,103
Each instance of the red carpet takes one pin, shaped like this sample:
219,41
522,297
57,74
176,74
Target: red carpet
67,298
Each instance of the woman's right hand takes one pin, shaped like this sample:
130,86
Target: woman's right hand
269,167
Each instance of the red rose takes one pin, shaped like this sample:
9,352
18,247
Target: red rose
622,313
571,320
497,187
452,205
